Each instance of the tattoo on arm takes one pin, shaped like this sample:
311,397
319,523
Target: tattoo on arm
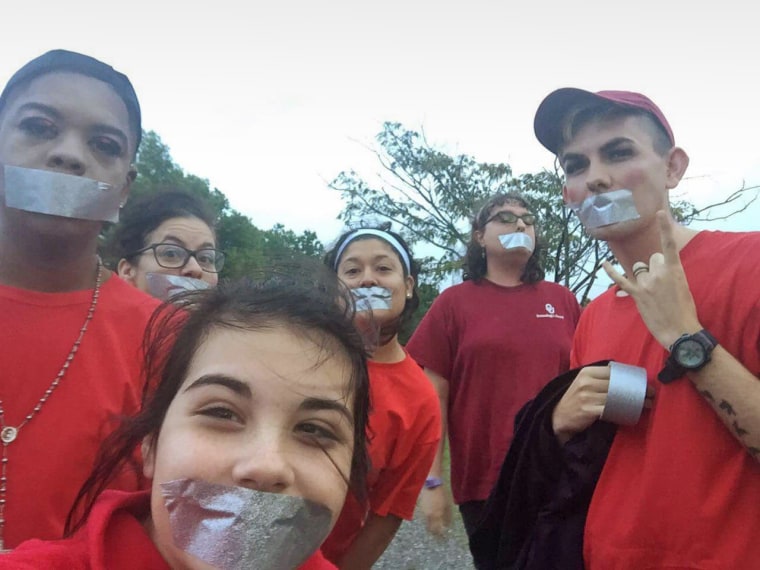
739,430
726,407
707,395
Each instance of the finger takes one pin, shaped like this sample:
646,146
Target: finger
667,239
617,277
656,262
598,372
638,268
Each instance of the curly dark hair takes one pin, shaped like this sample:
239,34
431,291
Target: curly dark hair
475,264
144,214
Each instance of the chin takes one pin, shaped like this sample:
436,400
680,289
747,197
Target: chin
614,232
59,227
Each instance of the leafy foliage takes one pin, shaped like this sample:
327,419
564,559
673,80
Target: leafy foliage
431,197
249,249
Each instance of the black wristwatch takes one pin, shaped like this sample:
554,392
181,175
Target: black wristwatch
689,352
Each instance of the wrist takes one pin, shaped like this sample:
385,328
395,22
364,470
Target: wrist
433,483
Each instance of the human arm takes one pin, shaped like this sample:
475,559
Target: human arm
667,308
436,504
374,537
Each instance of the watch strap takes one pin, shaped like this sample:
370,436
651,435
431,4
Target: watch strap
673,370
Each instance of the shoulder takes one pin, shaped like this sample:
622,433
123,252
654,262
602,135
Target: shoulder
404,384
118,296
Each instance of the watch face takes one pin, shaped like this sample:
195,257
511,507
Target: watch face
689,353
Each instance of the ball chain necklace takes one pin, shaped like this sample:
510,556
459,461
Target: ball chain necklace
8,434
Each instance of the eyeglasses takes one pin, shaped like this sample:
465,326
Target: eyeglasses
506,217
173,256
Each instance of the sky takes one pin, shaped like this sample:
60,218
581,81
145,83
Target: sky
269,101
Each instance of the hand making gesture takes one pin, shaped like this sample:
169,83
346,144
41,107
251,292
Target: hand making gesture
660,289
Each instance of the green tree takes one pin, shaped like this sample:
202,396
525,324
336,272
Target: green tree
430,196
249,249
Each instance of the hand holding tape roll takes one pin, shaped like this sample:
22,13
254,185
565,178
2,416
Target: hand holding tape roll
615,393
626,394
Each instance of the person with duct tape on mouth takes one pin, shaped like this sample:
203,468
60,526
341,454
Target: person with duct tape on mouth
252,434
166,243
405,424
489,344
646,455
69,132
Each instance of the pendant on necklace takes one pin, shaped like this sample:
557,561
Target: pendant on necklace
8,434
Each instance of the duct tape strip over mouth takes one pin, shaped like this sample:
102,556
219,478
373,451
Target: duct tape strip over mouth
372,298
627,391
57,194
516,240
606,209
164,287
235,527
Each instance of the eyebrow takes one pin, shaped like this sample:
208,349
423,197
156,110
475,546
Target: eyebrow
233,384
204,245
376,258
243,389
53,112
317,404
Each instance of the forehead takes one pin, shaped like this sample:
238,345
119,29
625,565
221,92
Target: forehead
300,363
600,131
75,97
513,207
368,247
184,228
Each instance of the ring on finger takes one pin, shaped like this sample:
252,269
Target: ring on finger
639,267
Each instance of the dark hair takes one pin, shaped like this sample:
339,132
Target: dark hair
143,215
307,298
475,264
602,111
331,260
63,60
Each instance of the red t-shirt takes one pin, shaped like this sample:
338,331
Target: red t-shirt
112,539
678,490
405,426
54,452
497,347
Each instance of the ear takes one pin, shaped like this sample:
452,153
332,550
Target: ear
478,235
131,175
127,271
678,162
409,286
148,450
564,195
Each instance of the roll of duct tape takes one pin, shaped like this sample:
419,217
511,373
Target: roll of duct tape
625,398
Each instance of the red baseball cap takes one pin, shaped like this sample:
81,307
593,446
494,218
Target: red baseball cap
550,116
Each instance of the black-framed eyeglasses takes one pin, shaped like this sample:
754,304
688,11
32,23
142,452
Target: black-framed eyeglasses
173,256
506,217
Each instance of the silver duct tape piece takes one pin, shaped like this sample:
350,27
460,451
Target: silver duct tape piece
516,240
372,298
606,209
625,398
164,287
56,194
234,527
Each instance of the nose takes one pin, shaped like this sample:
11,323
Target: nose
68,156
598,179
192,268
520,225
264,465
368,278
